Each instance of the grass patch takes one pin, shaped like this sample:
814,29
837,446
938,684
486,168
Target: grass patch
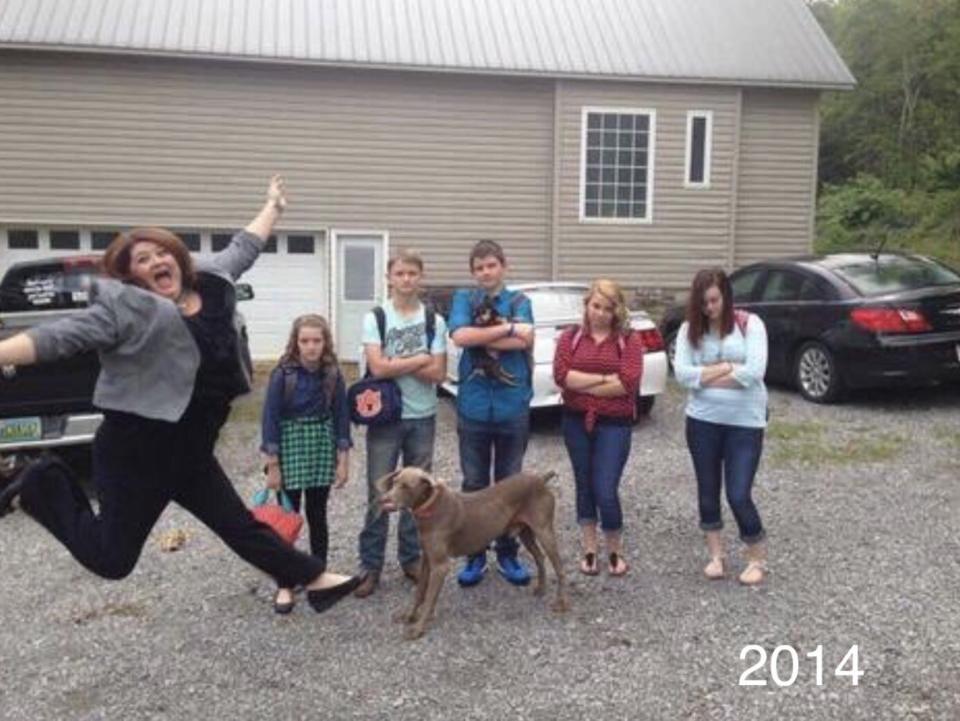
810,444
948,435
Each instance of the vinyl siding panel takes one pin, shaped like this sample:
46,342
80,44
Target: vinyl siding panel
778,168
437,160
690,227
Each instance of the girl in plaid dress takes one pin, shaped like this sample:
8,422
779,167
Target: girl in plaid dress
306,430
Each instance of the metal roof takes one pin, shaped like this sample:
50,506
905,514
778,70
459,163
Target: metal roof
751,42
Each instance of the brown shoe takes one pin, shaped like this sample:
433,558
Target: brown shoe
368,585
412,571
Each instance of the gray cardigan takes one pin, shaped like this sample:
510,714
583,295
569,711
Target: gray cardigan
148,358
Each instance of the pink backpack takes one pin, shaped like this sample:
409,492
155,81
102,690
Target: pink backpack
741,318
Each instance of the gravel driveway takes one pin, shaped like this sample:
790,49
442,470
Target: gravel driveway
861,501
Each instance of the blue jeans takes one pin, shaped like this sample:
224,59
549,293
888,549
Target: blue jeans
726,455
598,459
413,439
503,443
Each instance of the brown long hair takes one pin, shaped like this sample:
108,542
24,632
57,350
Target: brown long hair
116,261
697,322
611,292
291,356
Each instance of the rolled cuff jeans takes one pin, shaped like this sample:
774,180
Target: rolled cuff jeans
411,438
503,443
725,455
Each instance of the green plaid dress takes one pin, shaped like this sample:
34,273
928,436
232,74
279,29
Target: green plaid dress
308,452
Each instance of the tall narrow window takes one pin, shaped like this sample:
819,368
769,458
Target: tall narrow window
616,165
699,143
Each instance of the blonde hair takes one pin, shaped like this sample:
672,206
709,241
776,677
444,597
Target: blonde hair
611,292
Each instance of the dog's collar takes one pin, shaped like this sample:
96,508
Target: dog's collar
424,510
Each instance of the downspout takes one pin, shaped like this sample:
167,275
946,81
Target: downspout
811,234
735,184
555,189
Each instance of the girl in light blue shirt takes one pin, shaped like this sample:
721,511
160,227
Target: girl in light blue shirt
721,357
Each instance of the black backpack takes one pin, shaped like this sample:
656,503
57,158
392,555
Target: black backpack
290,384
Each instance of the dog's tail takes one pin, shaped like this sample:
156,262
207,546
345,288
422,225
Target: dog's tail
548,476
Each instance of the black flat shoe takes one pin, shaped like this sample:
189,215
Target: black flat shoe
9,494
283,608
325,598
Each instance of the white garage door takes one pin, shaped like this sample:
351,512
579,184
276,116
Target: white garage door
289,279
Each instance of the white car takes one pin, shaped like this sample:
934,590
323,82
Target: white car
557,306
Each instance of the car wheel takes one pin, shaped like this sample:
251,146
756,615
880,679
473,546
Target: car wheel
816,373
644,405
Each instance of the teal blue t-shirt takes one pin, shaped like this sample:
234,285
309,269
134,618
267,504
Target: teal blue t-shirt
407,336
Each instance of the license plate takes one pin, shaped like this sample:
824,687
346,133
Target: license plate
17,430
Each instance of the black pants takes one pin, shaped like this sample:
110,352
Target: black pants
139,466
316,512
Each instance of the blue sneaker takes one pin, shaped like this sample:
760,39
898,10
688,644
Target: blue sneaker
473,570
512,570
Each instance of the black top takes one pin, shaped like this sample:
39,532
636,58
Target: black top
219,376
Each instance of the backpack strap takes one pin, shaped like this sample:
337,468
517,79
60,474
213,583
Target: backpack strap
330,385
430,323
380,316
515,302
621,341
289,384
741,318
577,337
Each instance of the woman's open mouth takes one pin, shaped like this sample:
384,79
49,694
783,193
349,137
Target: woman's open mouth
163,279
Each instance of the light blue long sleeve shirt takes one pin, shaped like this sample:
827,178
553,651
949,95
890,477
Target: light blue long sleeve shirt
747,352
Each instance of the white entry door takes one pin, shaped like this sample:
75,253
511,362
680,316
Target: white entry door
360,262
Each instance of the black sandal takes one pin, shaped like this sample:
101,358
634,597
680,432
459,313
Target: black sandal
588,564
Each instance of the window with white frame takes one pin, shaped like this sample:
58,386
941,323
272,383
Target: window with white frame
699,148
617,165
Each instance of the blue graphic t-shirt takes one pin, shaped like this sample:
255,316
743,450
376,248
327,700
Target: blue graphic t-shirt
407,336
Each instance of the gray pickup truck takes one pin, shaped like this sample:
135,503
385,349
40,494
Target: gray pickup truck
50,406
46,406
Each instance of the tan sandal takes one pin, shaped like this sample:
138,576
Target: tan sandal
754,573
615,563
716,569
588,564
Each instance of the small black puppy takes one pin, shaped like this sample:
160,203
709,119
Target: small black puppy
485,360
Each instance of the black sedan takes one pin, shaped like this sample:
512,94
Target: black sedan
850,320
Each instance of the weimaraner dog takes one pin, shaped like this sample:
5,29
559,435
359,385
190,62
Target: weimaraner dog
453,524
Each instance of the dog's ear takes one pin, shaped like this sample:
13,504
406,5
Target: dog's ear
385,483
428,479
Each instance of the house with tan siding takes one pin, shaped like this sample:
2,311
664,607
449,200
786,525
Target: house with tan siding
638,140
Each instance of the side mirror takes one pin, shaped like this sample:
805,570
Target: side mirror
244,291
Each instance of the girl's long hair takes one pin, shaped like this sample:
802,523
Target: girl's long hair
611,292
291,356
697,322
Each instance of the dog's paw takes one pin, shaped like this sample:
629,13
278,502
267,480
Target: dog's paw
538,589
560,605
404,617
412,633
